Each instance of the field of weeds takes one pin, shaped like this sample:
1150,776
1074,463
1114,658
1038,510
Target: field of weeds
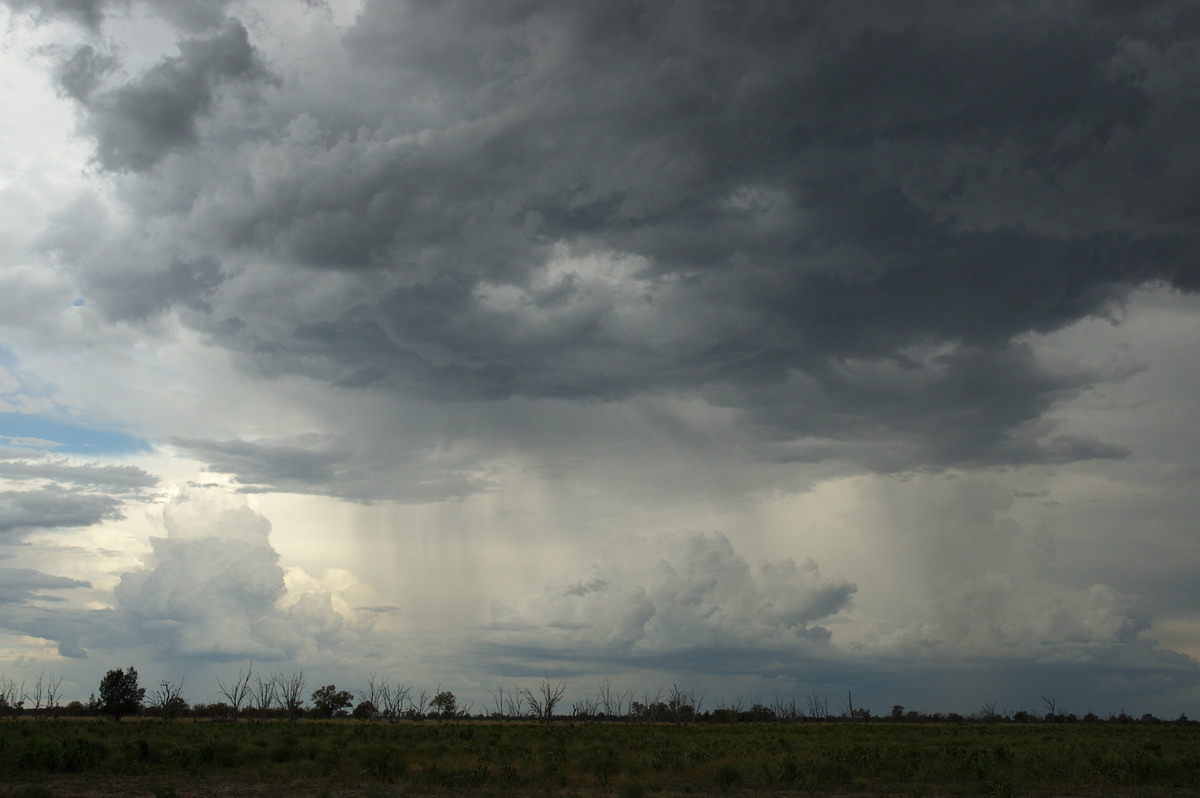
57,759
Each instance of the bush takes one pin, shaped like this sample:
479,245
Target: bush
727,776
31,791
382,762
631,790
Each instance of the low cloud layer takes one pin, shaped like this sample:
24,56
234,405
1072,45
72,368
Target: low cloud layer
22,586
682,597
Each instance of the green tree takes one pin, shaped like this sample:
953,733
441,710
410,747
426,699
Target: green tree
444,704
120,694
328,700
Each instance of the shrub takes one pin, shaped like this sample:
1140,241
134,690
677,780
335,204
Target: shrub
631,789
727,775
31,791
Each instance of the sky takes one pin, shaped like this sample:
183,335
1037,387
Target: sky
759,348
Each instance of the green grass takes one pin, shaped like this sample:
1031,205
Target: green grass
45,758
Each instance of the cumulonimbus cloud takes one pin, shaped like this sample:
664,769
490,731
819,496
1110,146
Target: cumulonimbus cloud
693,593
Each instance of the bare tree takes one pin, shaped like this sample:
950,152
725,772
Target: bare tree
734,705
264,695
585,708
395,700
606,698
613,703
648,708
12,696
498,696
418,704
235,693
374,693
786,709
53,694
542,703
167,697
818,706
848,706
514,704
683,704
291,691
37,694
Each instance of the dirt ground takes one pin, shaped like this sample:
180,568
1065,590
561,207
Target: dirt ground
119,787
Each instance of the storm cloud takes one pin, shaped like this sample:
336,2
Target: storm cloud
697,595
840,221
139,123
22,585
23,511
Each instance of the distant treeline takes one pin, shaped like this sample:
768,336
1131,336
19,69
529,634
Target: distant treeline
283,696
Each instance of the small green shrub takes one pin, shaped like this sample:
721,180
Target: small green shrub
631,789
727,775
382,762
281,753
31,791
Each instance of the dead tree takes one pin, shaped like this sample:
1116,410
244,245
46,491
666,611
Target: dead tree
37,694
683,704
498,699
11,696
395,700
818,706
235,693
542,703
514,704
613,703
417,706
291,691
264,695
373,695
167,697
53,694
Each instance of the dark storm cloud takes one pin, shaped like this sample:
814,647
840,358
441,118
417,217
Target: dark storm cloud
19,465
22,585
129,294
88,13
332,466
81,73
137,124
839,219
966,406
193,15
310,461
49,508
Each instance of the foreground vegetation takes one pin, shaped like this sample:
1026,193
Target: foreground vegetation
46,758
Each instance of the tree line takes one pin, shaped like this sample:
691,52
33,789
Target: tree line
283,695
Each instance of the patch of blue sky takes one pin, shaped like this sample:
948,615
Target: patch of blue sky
39,432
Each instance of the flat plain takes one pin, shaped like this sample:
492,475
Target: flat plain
43,758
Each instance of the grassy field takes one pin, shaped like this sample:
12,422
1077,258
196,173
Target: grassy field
57,759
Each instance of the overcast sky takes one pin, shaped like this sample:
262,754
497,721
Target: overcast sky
766,348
